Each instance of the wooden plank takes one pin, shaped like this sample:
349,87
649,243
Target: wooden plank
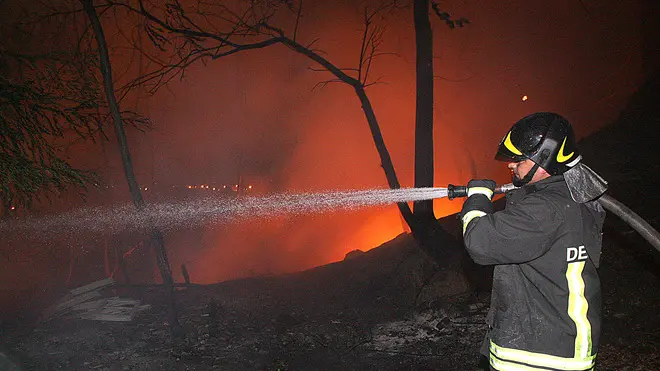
117,310
184,271
92,286
62,306
118,302
77,300
109,317
90,305
115,313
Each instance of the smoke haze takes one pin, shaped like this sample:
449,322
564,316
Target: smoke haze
260,119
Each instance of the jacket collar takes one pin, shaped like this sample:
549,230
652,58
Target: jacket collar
552,181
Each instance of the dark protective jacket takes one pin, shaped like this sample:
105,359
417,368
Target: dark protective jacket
545,309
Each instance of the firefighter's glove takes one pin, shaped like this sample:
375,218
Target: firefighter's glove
480,192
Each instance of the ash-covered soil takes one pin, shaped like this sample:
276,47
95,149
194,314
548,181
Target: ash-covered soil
388,309
356,314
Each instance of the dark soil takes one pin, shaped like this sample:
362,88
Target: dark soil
352,315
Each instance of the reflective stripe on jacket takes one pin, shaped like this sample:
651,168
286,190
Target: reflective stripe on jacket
545,309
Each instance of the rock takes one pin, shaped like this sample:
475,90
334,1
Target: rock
354,254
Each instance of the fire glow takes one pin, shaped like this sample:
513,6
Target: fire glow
258,114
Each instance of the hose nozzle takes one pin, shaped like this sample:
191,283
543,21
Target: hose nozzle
454,191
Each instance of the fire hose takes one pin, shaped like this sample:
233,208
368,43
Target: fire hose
608,202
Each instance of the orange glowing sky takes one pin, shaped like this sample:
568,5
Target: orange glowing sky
260,110
262,106
258,115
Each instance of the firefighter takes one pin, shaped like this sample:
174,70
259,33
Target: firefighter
545,311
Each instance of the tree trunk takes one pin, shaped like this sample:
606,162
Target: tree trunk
423,210
370,115
432,238
385,159
427,231
424,227
157,240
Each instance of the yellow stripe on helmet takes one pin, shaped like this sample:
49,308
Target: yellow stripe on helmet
509,145
561,157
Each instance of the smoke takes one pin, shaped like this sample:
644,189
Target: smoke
259,115
259,118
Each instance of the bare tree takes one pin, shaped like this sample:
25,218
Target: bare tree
424,169
157,240
429,233
202,32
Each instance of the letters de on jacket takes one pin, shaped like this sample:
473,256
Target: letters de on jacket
576,254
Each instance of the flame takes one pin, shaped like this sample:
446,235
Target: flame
381,227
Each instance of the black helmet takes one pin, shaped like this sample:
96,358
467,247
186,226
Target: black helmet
545,138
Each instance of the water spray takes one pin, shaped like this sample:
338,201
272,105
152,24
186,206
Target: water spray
209,211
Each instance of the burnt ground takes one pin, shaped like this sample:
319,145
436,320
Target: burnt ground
375,311
356,314
388,309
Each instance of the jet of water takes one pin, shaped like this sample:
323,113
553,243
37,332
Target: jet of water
175,215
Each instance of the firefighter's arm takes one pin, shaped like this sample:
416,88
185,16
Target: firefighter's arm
478,204
520,233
